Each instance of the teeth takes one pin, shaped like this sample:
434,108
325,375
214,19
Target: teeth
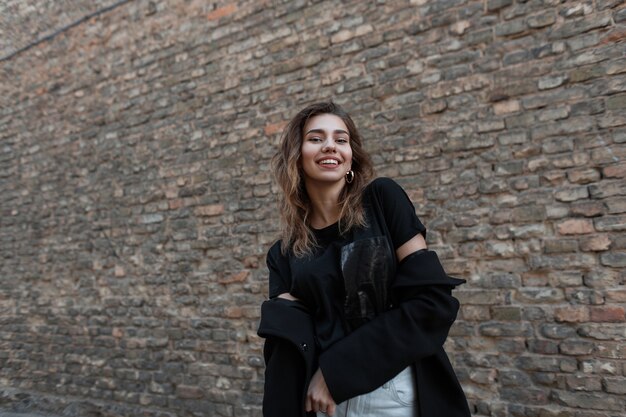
329,162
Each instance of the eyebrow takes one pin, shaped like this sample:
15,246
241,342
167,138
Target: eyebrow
322,131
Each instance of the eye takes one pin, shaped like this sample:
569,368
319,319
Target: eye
342,140
314,139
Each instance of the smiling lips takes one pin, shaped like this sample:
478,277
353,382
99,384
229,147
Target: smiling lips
328,162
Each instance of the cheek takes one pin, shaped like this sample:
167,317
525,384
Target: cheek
306,156
349,156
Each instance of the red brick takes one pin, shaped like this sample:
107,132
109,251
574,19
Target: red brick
176,204
572,314
572,194
222,11
273,128
342,36
233,312
575,227
616,296
238,277
210,210
251,262
251,312
554,177
615,171
614,37
608,314
583,176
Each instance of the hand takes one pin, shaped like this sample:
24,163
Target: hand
318,397
287,296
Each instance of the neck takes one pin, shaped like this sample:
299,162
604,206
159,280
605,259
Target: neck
324,203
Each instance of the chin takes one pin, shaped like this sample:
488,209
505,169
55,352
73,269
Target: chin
326,179
332,180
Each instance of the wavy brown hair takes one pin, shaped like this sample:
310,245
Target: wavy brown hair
294,203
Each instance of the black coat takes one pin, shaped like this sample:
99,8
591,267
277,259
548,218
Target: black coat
290,357
410,333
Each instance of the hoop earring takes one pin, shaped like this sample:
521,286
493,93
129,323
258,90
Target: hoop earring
349,176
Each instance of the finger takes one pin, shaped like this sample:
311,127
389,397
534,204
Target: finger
307,404
321,406
331,410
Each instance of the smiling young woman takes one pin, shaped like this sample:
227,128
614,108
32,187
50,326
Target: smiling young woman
287,166
359,308
326,158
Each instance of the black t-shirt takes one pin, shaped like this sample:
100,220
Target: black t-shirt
321,280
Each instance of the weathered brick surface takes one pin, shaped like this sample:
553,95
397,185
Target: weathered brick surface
137,203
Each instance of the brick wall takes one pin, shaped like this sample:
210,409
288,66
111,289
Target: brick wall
137,206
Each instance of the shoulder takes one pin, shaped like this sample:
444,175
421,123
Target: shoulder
385,187
276,247
275,250
275,254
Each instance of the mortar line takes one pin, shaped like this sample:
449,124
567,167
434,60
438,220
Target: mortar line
63,29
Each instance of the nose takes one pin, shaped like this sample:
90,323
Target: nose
329,146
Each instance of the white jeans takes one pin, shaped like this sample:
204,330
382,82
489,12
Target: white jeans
395,398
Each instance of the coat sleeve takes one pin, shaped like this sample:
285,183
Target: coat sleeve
416,328
289,352
285,377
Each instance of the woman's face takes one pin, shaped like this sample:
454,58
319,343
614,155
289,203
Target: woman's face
326,151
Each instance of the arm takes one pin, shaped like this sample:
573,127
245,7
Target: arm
285,326
288,331
416,328
416,243
318,395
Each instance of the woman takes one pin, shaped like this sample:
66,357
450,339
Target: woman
359,308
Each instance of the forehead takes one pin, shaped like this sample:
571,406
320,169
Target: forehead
326,122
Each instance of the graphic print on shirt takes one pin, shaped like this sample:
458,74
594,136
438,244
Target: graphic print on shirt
366,267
